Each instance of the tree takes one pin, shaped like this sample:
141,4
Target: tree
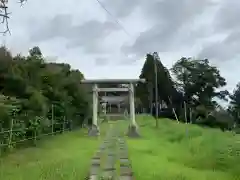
234,107
35,51
198,81
166,89
33,91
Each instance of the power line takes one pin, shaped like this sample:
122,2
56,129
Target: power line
114,18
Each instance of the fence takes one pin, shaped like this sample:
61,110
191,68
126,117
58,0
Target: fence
25,128
18,137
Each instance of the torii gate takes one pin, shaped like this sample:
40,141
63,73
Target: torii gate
132,130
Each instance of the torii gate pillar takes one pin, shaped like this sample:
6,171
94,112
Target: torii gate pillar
132,130
94,131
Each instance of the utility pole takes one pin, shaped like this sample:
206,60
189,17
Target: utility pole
156,87
150,89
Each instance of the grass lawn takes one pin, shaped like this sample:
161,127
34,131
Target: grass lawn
65,157
183,152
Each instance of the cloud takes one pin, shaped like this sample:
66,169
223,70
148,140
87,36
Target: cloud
119,60
227,17
226,22
59,26
121,8
171,22
83,34
175,12
101,61
88,35
222,51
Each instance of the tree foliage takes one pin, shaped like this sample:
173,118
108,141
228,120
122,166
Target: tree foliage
146,91
234,107
37,97
198,80
191,90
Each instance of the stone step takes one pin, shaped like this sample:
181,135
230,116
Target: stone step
125,171
93,177
95,162
94,170
124,161
109,169
125,178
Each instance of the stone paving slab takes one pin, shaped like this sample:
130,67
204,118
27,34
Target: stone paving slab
111,155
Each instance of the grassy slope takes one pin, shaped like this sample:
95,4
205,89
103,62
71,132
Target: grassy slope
184,152
174,151
64,156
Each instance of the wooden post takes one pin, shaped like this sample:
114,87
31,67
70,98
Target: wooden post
119,106
174,112
35,136
10,135
1,142
64,119
52,121
190,109
185,112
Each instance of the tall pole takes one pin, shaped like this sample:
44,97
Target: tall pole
52,119
150,91
156,87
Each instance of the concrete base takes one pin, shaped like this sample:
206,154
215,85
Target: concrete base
132,132
93,131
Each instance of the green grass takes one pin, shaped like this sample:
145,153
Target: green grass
183,152
65,157
172,152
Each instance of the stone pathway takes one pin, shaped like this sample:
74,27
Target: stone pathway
111,159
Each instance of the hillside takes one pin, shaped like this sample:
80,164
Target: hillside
172,152
38,98
180,151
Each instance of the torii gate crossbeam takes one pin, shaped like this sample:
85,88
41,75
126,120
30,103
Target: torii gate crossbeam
133,126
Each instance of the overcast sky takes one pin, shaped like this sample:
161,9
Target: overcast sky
81,33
